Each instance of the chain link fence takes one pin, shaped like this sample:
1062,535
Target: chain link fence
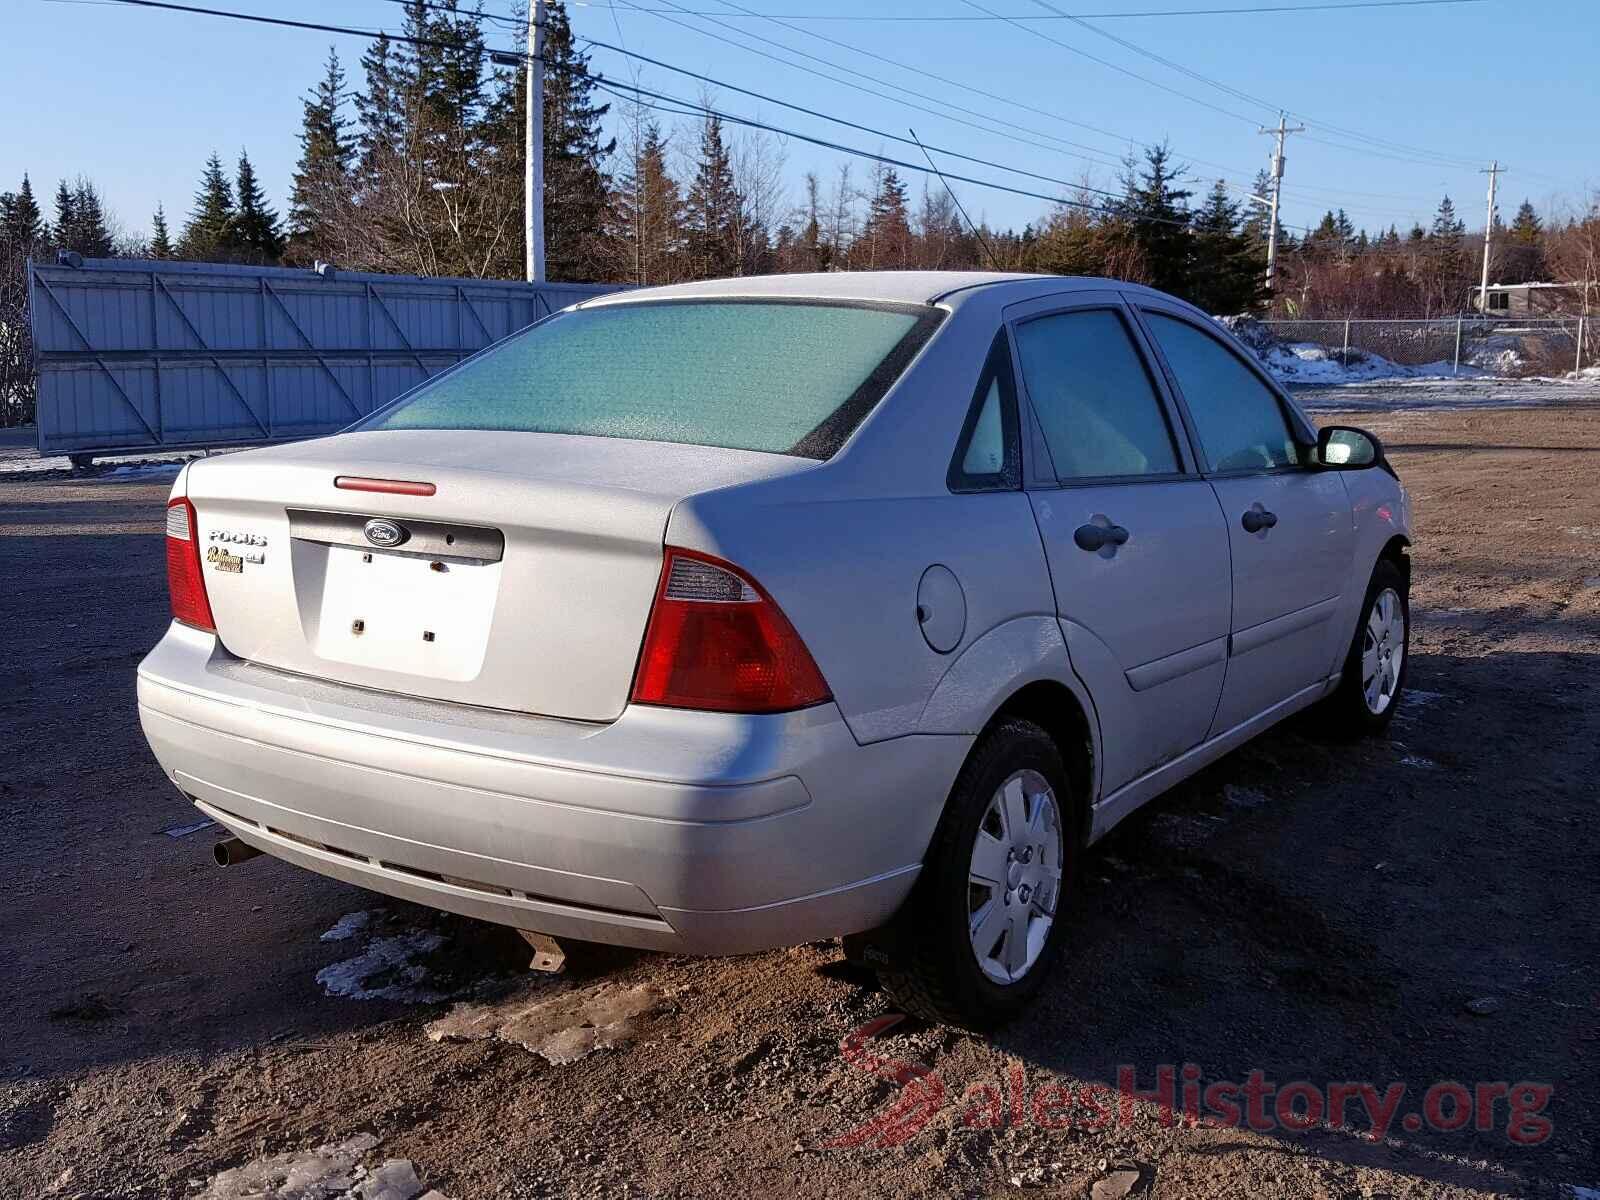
1514,348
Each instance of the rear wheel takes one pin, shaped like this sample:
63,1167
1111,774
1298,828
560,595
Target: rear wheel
983,925
1374,676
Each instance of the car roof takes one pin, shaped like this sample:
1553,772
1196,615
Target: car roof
904,287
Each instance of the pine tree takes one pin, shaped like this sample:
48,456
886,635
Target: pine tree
1447,274
255,232
21,222
208,235
380,111
1527,229
90,234
576,185
65,228
1229,266
1155,213
323,183
160,240
1323,241
887,235
811,251
1522,254
1258,216
647,211
713,248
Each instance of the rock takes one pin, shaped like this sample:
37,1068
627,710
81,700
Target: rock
1115,1185
1484,1006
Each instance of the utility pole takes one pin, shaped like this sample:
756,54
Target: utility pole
533,147
1280,133
1494,172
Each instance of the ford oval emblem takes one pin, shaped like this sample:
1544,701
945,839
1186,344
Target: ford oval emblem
385,533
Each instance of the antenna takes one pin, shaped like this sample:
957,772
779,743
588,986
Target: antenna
987,249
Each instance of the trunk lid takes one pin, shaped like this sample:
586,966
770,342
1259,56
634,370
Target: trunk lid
523,582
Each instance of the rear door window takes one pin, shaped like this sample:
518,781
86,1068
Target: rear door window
1096,403
786,378
1239,420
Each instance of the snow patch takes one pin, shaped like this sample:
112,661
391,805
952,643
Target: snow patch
1417,698
1311,363
148,471
349,925
386,970
330,1172
27,461
561,1028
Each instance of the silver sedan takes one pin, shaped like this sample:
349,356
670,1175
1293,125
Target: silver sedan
738,614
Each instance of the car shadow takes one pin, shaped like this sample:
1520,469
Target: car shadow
1413,909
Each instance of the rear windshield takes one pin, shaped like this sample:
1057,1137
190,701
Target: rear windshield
787,378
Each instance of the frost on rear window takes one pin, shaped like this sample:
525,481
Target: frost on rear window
779,377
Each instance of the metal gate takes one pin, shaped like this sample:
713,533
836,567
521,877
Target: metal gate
139,354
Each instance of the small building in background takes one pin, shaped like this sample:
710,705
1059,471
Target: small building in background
1530,300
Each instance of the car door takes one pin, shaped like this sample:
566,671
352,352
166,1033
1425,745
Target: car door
1135,541
1289,524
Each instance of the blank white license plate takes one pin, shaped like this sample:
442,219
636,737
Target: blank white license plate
398,612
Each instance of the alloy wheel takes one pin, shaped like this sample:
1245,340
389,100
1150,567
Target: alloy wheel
1015,879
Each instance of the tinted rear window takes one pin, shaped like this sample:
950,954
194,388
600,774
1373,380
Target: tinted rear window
787,378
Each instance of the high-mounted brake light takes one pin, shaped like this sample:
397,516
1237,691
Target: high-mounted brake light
717,641
388,487
184,581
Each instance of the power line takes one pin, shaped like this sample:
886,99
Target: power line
1093,154
741,11
354,31
1090,157
956,200
996,126
1253,10
1435,157
820,115
1107,63
691,107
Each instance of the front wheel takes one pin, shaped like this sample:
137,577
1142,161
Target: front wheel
1375,669
983,925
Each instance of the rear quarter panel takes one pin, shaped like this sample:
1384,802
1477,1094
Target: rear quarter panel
846,573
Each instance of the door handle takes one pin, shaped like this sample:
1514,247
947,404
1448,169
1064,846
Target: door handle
1094,537
1257,519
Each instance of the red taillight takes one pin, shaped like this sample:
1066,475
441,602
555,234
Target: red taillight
184,581
717,641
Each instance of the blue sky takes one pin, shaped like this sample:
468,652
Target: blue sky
137,98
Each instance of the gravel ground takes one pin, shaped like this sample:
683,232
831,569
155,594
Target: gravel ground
1406,911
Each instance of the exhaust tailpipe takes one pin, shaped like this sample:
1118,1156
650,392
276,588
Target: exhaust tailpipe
232,852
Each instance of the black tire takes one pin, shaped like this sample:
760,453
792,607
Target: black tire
1346,713
932,971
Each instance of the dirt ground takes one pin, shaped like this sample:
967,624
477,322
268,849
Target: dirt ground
1415,910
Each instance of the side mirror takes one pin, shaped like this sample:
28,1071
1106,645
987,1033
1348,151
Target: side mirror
1343,448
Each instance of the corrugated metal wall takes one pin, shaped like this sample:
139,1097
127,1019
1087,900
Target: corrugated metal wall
133,354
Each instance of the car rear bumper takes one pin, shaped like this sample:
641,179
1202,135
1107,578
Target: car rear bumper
698,832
